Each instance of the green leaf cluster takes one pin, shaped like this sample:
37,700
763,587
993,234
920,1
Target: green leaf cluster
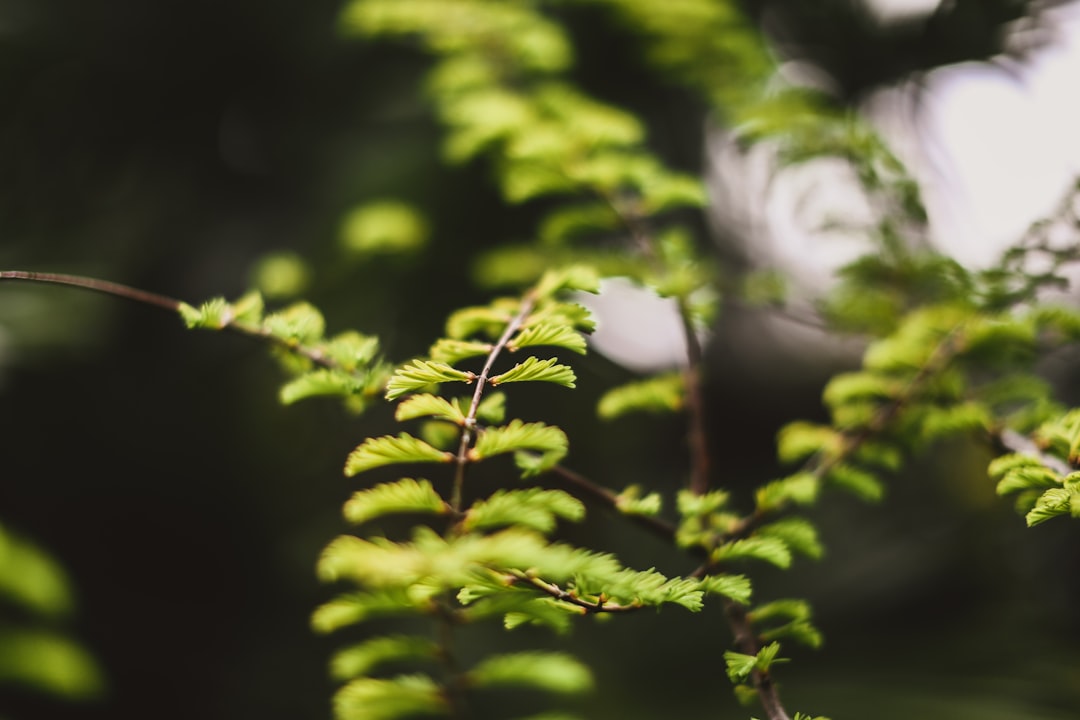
346,365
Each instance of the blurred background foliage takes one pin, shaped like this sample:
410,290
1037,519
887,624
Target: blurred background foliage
194,148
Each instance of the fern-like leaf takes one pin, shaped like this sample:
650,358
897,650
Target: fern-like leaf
361,659
553,672
519,436
419,374
534,369
402,496
770,549
426,405
389,699
734,587
450,351
664,393
533,508
388,450
549,335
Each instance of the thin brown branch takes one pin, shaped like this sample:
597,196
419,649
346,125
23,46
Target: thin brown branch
746,642
94,285
126,292
528,302
659,527
695,406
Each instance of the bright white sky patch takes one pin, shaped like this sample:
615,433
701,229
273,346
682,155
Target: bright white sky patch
1005,142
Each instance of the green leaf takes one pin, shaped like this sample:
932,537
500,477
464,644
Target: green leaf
533,508
549,335
401,496
450,351
533,464
739,665
213,314
388,450
1027,477
489,595
770,549
31,579
384,227
581,278
519,435
858,482
801,489
664,393
568,314
787,609
539,370
322,382
799,440
631,502
801,631
1000,466
766,657
352,608
844,388
420,374
665,191
426,405
492,409
565,223
553,672
301,323
281,275
961,418
691,504
1053,503
487,320
734,587
390,699
48,662
361,659
880,454
799,534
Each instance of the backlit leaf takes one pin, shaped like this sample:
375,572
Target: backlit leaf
388,450
539,370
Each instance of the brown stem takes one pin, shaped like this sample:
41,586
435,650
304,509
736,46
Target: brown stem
746,642
695,406
655,525
527,305
95,285
164,302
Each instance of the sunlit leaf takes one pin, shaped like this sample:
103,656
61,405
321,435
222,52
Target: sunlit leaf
401,496
419,374
533,369
426,405
388,450
549,335
553,672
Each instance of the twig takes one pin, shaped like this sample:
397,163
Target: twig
659,527
164,302
527,304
